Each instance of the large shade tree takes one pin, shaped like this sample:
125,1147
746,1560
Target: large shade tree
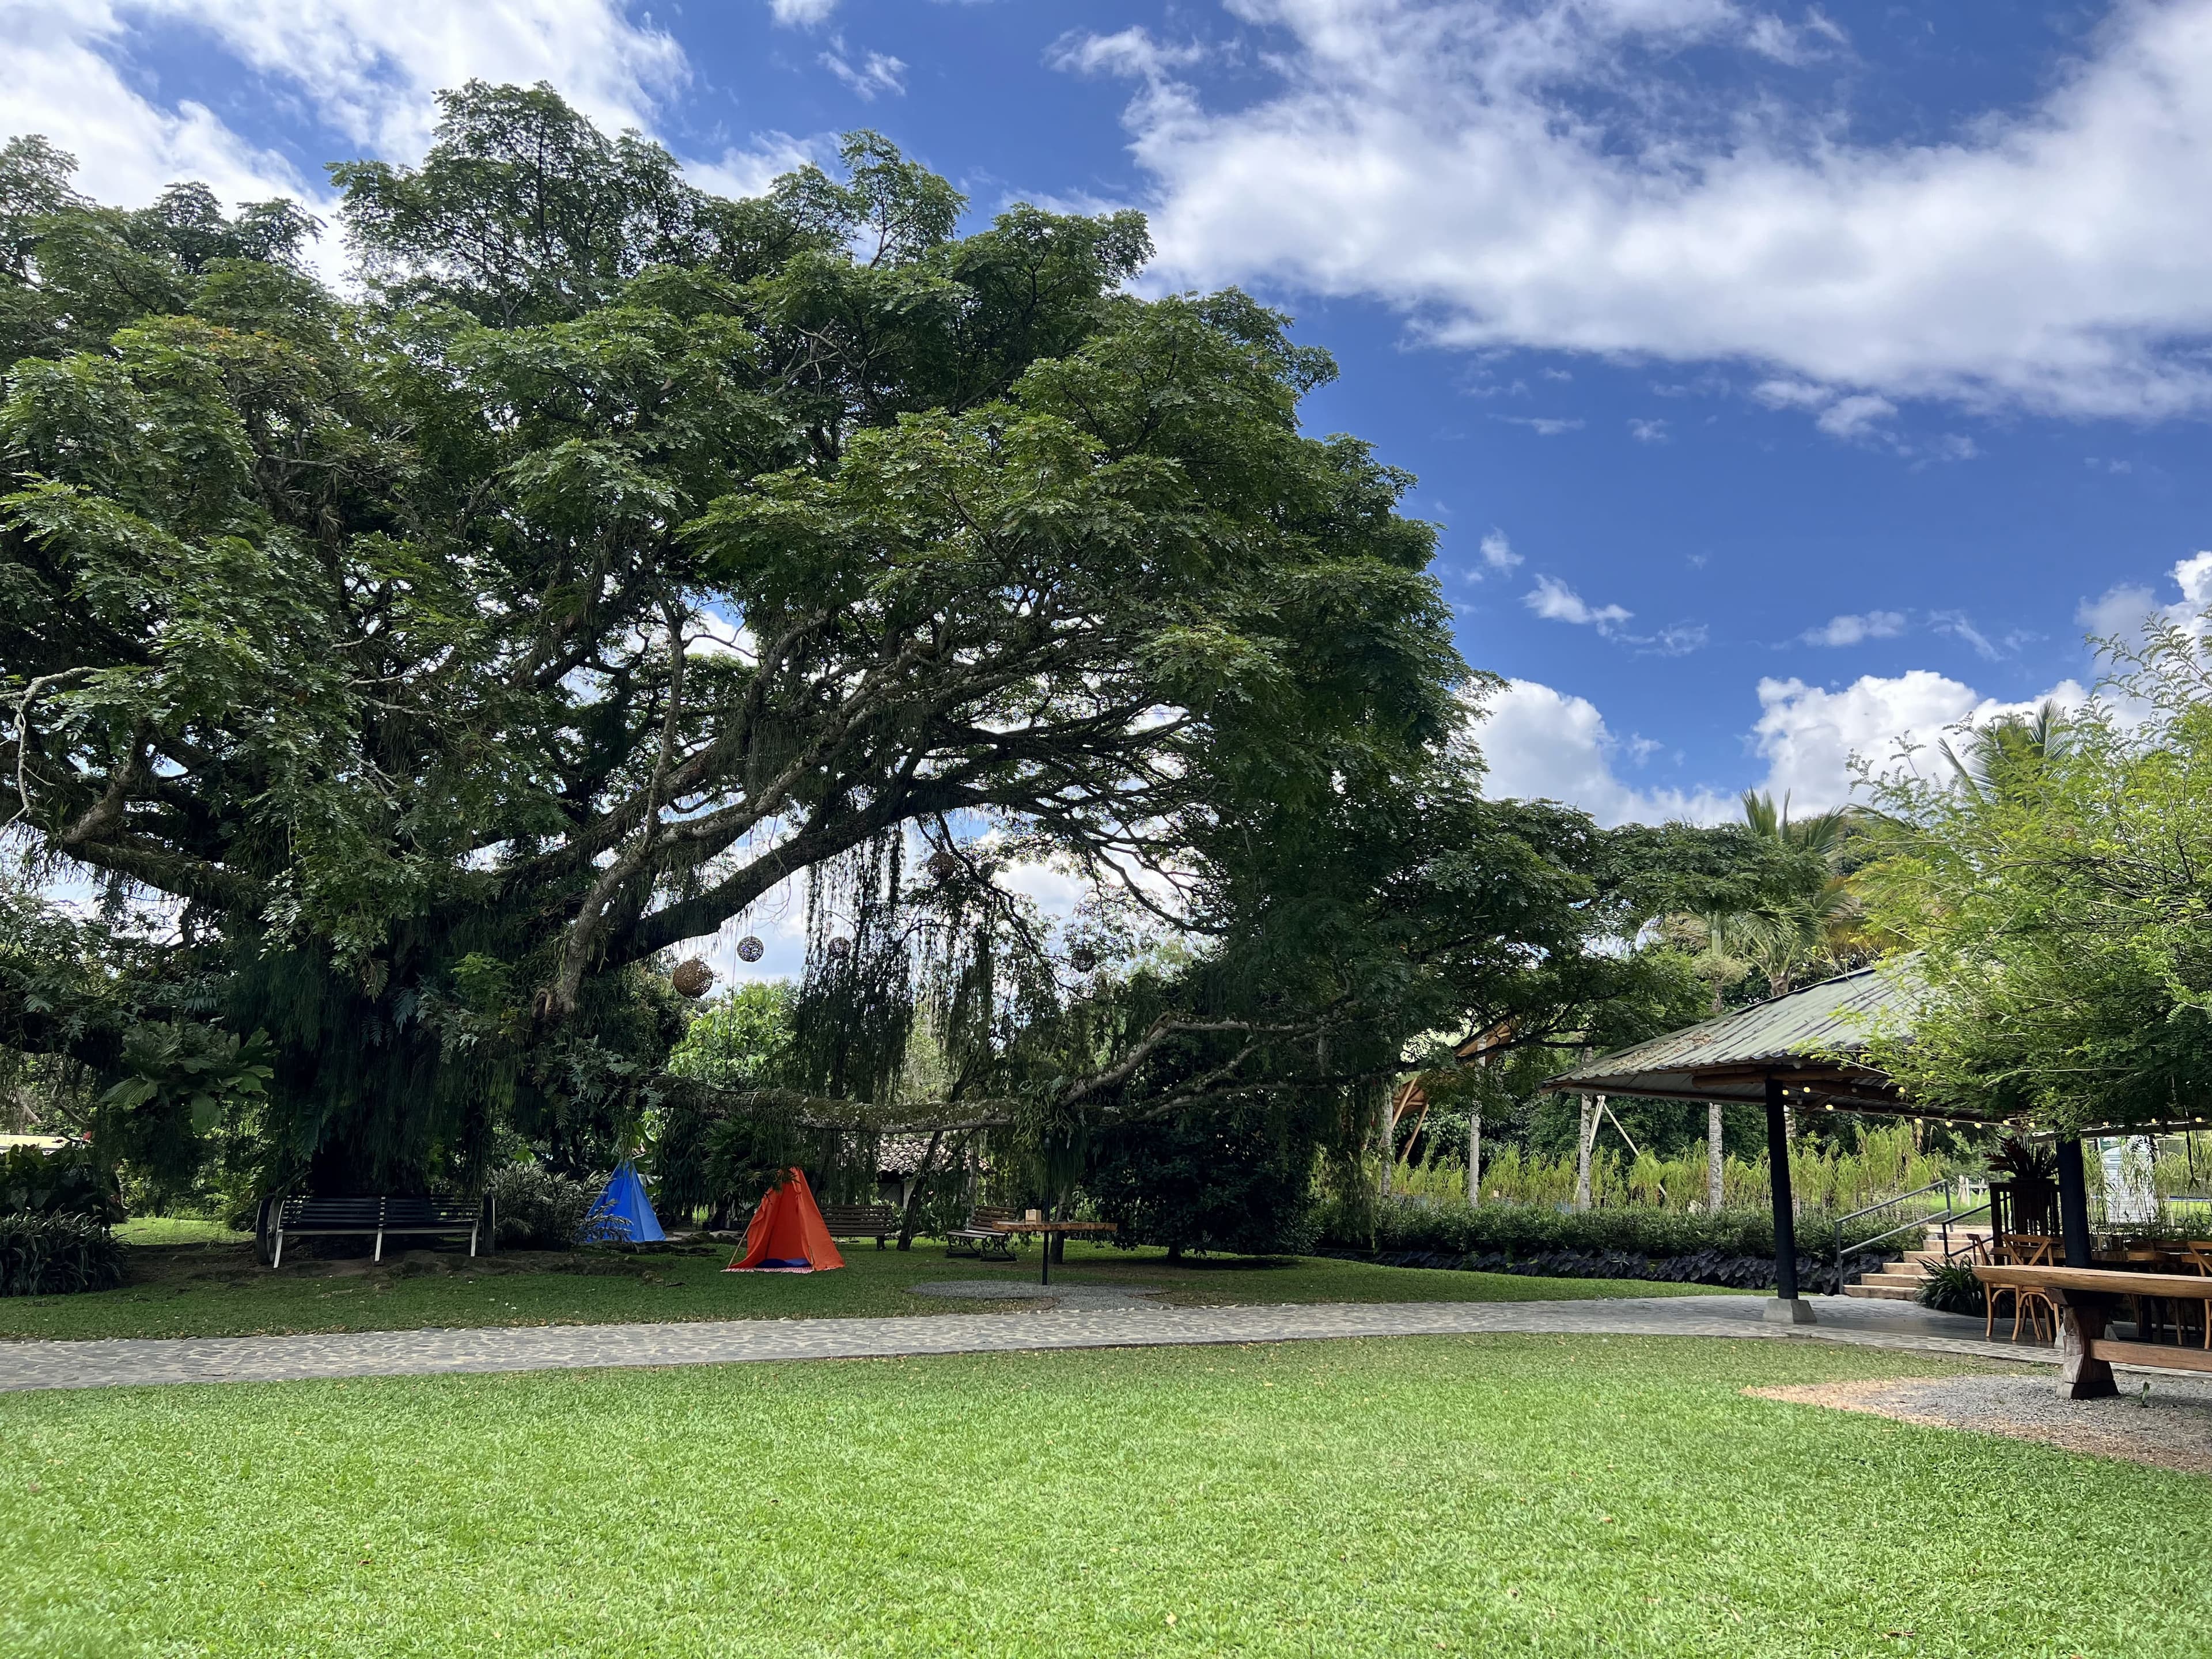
442,658
2050,883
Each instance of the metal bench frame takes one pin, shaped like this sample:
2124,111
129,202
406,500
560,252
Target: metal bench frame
357,1218
979,1240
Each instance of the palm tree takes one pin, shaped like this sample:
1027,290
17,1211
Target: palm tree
2006,756
1805,920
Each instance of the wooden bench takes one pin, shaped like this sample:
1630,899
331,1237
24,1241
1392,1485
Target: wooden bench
985,1234
310,1218
876,1221
2086,1299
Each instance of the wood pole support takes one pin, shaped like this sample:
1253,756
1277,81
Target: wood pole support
1785,1219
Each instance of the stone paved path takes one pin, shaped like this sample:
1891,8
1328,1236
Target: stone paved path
559,1347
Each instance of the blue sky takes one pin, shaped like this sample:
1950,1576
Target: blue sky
1784,379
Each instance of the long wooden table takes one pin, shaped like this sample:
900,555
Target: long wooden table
2085,1296
1049,1228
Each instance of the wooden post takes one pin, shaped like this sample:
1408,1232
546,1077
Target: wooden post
2081,1376
2073,1202
1716,1159
1786,1308
1584,1135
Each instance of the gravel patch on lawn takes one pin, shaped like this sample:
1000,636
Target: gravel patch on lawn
2166,1422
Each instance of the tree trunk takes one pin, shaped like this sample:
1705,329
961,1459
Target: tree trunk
1474,1156
1585,1135
913,1210
1389,1143
1715,1158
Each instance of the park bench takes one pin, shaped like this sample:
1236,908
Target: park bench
983,1235
876,1221
303,1216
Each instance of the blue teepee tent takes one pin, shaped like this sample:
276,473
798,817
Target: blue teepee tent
624,1213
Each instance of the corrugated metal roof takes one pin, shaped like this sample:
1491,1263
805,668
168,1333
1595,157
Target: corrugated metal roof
1800,1029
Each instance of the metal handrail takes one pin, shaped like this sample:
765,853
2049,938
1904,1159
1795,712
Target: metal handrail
1950,1213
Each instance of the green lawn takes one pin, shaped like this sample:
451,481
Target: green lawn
1490,1495
218,1290
142,1230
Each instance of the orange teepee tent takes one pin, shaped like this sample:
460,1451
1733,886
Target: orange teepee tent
787,1235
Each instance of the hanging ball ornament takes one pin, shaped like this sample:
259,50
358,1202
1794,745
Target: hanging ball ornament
1083,958
750,949
840,948
693,978
943,866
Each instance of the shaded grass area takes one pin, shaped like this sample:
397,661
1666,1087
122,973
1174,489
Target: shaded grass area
142,1230
220,1291
1460,1495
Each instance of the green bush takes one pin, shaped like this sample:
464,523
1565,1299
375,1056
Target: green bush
1238,1181
1523,1230
55,1255
539,1210
1953,1288
67,1182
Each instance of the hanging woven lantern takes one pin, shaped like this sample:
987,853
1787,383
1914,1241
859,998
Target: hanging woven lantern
750,949
942,866
840,947
692,978
1083,958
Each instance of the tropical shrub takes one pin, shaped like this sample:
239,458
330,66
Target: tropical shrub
539,1210
1518,1230
1953,1288
1216,1180
56,1254
68,1180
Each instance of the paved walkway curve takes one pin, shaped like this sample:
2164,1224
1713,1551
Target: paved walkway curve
110,1364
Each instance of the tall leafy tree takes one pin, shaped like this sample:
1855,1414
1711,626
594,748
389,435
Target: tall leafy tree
440,660
2051,889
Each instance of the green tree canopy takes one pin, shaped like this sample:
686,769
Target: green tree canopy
441,660
2051,883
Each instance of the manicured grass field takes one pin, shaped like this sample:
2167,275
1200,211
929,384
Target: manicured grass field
1491,1495
218,1290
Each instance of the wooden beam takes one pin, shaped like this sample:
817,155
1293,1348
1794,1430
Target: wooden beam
2156,1354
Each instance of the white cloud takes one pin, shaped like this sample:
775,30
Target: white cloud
1959,626
1132,52
2121,612
1648,432
1545,745
875,72
1554,601
1854,417
367,68
1562,174
1851,630
1544,426
801,14
1498,553
1807,735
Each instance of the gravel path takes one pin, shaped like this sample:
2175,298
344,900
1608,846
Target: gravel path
558,1347
2163,1419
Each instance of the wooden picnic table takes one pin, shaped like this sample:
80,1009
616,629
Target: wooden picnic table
2085,1296
1049,1228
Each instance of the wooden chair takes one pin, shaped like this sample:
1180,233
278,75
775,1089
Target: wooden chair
2029,1304
2196,1256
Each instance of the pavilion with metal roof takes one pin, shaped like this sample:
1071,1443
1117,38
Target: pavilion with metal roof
1797,1050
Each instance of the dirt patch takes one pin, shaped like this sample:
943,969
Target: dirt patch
2166,1423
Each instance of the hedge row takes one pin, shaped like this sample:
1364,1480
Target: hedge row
1517,1231
55,1255
1741,1273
